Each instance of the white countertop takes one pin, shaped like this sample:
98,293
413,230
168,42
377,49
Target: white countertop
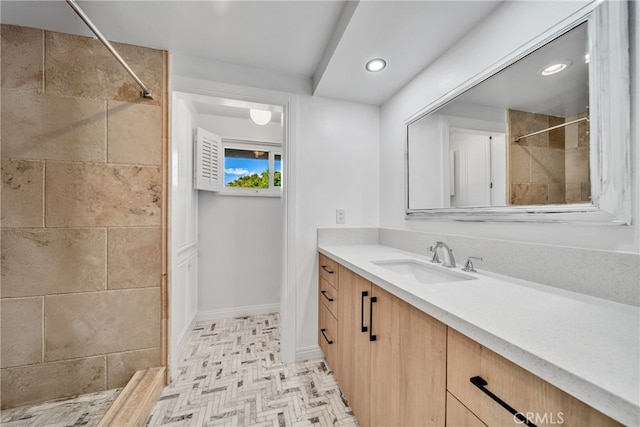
586,346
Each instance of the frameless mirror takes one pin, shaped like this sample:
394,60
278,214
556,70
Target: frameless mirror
522,140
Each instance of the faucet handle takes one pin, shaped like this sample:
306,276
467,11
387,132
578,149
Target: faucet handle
434,248
468,266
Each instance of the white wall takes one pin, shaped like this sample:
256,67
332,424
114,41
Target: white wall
240,238
512,25
184,230
337,167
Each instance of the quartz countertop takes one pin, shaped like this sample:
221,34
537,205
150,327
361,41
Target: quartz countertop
586,346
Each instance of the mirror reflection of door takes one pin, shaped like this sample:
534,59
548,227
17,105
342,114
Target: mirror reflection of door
476,168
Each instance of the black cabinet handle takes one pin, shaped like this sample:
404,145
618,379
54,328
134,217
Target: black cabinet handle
481,383
372,301
325,295
324,267
363,328
325,336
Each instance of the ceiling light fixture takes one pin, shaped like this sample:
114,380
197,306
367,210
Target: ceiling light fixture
587,57
556,68
376,65
260,117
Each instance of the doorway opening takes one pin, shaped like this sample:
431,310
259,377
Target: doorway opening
228,247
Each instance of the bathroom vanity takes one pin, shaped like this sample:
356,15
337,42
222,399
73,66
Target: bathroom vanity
415,343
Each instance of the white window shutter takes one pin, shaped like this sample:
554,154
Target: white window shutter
207,161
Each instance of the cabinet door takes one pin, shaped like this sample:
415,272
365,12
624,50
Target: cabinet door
472,369
353,359
408,364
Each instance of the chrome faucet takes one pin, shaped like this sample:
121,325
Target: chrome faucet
447,254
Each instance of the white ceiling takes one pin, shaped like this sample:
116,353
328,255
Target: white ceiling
320,38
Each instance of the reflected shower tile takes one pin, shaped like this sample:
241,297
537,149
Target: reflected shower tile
547,165
556,193
529,194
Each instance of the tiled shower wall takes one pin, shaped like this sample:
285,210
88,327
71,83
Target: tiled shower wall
551,167
81,215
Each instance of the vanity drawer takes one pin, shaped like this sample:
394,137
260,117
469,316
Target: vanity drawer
458,415
537,400
329,296
328,335
329,270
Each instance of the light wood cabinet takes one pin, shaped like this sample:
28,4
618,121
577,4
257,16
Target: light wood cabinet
398,366
535,399
408,364
391,357
458,415
354,359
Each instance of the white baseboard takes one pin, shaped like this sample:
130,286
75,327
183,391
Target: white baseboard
225,313
309,353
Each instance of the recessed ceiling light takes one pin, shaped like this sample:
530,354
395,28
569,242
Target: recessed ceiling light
556,68
375,65
587,57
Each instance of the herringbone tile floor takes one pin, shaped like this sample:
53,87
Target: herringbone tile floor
230,374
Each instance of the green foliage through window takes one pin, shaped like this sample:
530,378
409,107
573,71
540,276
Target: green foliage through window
257,181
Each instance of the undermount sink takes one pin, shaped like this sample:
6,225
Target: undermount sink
422,272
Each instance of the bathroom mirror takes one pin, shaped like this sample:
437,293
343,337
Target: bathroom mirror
536,137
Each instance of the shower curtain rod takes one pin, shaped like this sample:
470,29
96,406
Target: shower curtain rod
145,92
551,128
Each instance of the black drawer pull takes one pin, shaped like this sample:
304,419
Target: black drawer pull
325,295
324,267
325,336
363,328
372,301
481,383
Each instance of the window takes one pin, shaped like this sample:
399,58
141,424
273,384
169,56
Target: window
252,168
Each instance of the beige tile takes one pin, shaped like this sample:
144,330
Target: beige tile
585,188
21,331
83,67
122,366
519,164
134,257
573,192
547,165
38,383
85,195
134,133
577,165
556,136
51,261
529,194
38,126
556,193
78,325
22,55
522,123
22,194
